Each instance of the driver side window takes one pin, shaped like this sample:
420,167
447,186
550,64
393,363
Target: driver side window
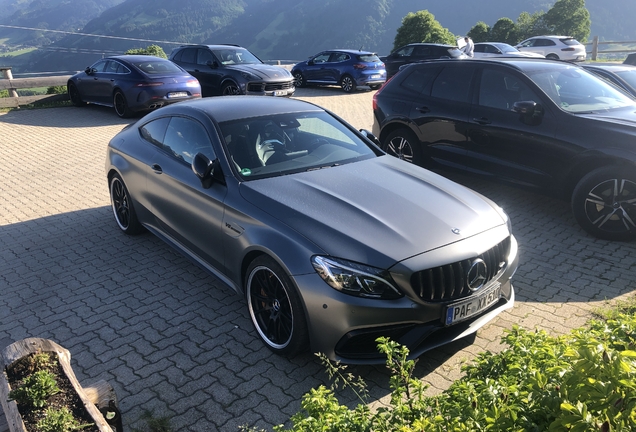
185,138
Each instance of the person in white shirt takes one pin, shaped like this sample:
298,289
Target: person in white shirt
469,47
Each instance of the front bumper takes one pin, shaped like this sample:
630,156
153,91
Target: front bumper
284,89
345,327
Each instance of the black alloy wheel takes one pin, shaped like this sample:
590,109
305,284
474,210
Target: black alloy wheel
275,307
604,203
375,86
121,105
122,206
74,95
348,84
299,79
403,144
230,89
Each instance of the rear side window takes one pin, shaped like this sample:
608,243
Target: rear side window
189,55
419,79
154,131
453,84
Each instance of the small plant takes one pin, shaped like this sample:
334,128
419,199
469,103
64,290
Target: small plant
153,424
36,389
61,420
60,89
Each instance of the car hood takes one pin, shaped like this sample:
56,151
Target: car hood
626,117
378,212
274,73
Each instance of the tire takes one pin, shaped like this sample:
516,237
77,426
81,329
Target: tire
375,86
275,307
122,206
121,105
403,144
348,84
604,203
74,95
230,89
552,57
299,79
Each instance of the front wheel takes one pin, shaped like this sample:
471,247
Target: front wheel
74,95
348,84
121,105
403,144
230,89
604,203
122,206
275,307
375,86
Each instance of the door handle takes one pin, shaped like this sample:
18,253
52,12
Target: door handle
423,110
156,168
482,121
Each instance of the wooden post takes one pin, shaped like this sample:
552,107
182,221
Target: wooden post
595,48
6,74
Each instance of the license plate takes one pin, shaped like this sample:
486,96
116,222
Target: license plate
177,94
375,76
466,309
280,92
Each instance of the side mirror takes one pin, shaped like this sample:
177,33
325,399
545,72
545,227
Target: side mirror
310,62
206,170
368,135
88,70
530,111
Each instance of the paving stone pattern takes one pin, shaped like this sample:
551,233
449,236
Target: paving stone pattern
172,339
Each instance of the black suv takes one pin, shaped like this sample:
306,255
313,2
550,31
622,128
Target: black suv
541,123
232,70
417,52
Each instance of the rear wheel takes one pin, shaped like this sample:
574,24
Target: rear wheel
121,105
604,203
123,209
348,84
275,307
403,144
299,79
375,86
74,95
552,57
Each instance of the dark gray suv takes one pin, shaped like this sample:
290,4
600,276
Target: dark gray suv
232,70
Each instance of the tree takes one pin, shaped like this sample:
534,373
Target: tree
569,18
480,32
422,27
531,25
505,31
154,50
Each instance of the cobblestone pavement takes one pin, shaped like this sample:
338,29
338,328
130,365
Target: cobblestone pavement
173,340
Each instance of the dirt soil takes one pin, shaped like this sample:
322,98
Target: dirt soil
18,371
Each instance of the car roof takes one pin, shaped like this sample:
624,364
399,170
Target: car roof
134,58
350,51
213,46
520,63
616,67
227,108
431,44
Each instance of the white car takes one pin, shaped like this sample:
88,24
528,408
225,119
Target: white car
554,47
500,49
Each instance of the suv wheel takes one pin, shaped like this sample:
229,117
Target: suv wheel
403,144
604,203
230,89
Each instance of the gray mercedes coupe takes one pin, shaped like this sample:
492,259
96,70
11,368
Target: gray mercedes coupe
332,242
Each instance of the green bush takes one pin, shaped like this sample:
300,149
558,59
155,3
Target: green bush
154,50
584,381
61,89
35,389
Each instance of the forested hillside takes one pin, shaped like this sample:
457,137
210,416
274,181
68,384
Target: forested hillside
279,29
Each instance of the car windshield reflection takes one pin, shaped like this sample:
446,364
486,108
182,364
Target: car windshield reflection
578,91
289,143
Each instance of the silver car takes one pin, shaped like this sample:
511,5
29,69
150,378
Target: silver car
332,242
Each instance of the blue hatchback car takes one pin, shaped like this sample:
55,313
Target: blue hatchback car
346,68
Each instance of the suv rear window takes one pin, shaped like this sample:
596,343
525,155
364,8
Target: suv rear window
570,41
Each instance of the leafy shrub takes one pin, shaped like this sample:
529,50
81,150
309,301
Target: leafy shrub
35,389
60,89
584,381
154,50
61,420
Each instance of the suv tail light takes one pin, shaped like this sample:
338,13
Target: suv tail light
567,49
359,66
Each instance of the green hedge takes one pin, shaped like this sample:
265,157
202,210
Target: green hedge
584,381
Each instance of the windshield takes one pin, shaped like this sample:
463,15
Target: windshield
158,67
286,143
578,91
230,56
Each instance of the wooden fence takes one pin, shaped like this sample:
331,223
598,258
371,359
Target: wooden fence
7,82
594,48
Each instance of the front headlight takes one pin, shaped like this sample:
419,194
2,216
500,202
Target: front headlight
250,76
505,217
355,279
